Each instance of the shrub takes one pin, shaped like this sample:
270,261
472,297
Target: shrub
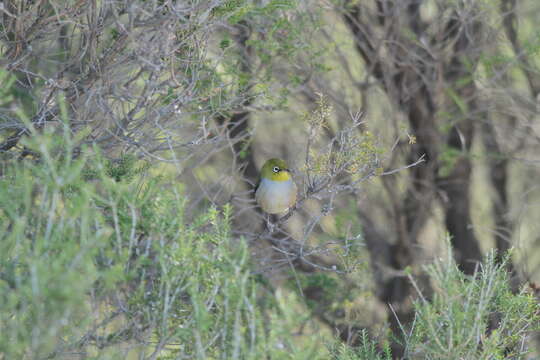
468,317
95,264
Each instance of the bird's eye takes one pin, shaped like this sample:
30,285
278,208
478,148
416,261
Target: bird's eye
275,169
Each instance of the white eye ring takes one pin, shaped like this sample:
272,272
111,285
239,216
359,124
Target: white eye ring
275,169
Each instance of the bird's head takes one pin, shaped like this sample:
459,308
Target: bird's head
276,170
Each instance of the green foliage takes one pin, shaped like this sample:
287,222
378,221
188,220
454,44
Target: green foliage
367,350
456,323
326,286
458,100
125,168
274,36
7,82
97,254
352,151
448,159
475,317
48,241
88,262
10,93
239,10
320,117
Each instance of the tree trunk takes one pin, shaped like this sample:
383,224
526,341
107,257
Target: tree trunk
411,76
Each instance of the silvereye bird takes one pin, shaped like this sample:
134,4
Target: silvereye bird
276,191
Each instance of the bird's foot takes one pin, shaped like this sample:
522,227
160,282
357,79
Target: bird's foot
270,225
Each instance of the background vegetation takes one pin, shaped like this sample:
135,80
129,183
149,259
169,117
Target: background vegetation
131,134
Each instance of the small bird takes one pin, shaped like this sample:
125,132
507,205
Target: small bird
276,191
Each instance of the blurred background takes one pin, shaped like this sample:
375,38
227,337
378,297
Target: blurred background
410,125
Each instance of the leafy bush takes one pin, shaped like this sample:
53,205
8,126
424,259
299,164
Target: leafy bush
476,317
473,317
90,264
98,261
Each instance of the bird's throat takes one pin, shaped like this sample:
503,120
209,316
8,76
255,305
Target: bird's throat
280,176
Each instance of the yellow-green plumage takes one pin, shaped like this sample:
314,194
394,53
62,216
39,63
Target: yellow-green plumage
276,191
